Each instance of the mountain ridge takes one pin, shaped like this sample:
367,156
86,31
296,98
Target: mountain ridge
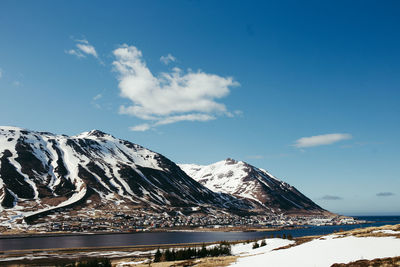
246,181
42,168
42,174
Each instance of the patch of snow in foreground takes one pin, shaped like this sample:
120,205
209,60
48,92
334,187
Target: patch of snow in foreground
325,252
130,263
247,249
386,232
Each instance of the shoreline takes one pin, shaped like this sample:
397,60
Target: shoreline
170,230
111,248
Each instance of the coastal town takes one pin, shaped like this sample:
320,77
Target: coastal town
145,220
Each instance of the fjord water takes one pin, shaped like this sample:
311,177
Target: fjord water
137,239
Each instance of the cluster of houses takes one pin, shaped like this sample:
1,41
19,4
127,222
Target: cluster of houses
115,221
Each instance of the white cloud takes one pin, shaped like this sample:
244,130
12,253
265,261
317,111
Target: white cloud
83,48
319,140
97,97
172,119
238,112
95,101
167,59
140,128
74,53
187,117
87,49
170,97
1,73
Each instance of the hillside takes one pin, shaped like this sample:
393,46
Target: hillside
244,181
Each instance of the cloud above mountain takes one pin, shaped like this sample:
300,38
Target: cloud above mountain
320,140
171,96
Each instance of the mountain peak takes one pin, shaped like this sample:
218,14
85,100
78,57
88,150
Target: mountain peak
95,133
11,128
230,161
245,181
98,133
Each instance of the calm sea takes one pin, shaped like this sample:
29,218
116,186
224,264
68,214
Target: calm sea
108,240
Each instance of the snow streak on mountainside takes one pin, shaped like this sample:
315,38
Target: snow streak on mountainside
42,172
245,181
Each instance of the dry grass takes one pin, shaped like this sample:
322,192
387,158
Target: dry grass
217,261
369,231
385,262
203,262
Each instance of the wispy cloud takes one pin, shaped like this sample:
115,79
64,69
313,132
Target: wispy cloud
75,53
95,101
141,127
331,197
82,49
97,97
167,59
187,117
169,97
1,73
385,194
238,113
320,140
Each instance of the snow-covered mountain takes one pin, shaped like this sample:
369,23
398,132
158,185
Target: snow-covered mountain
245,181
42,172
93,173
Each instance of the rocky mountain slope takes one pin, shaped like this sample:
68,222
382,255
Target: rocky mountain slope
245,181
93,174
41,173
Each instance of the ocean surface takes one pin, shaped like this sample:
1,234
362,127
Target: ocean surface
132,239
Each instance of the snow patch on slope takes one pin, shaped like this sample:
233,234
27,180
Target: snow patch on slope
229,176
324,252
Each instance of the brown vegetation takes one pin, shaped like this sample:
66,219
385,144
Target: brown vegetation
385,262
371,231
204,262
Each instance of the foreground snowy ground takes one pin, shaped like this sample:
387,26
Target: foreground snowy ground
320,252
247,249
344,247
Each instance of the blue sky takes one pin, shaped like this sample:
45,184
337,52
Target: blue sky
252,80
